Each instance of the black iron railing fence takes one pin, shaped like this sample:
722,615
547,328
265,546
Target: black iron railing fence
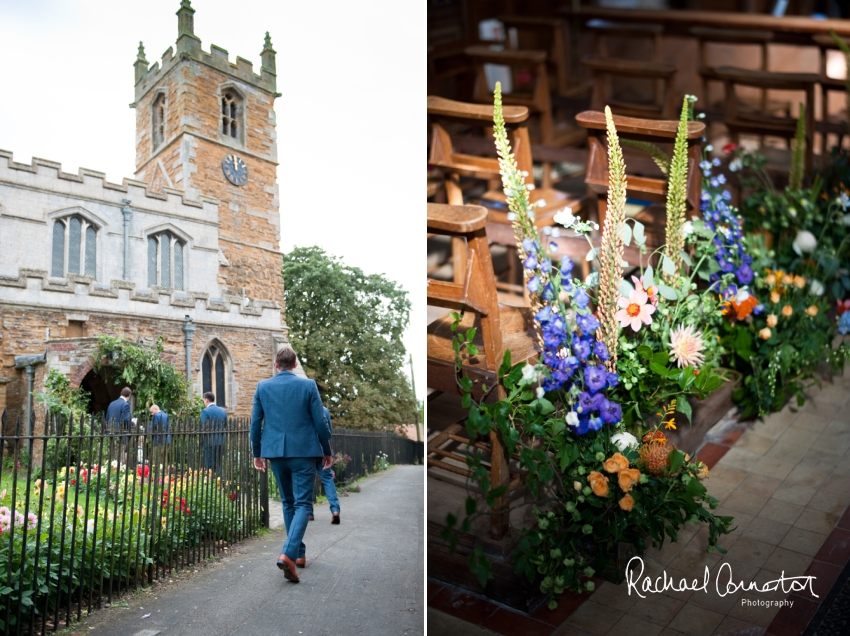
87,513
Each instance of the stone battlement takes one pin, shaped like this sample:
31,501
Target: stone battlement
94,183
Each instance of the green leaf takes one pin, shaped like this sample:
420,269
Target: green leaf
676,458
668,292
684,406
471,506
685,257
645,352
626,288
626,234
640,239
471,349
648,277
591,254
470,334
658,369
505,367
545,406
466,401
667,265
592,279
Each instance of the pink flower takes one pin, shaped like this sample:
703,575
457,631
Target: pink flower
686,347
652,292
634,310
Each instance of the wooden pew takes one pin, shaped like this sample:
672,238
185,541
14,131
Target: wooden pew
828,85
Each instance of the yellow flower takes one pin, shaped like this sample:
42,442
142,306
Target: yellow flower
627,503
598,483
787,310
774,297
800,282
615,463
812,311
765,333
772,320
702,471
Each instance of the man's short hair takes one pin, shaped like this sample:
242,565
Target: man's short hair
209,396
154,408
285,358
126,392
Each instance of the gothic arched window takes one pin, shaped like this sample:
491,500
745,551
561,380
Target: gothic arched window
74,247
231,105
158,120
213,374
166,261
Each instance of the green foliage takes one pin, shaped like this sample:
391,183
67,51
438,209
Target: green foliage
798,155
60,398
152,379
346,327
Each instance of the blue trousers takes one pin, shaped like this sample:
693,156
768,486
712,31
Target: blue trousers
295,477
329,487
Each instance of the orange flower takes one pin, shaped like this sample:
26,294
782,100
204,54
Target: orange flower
765,333
627,503
774,297
787,310
615,463
770,279
772,320
799,282
812,311
628,478
788,279
654,436
598,483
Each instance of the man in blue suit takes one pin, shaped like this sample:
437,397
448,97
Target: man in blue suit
119,418
213,418
288,433
327,477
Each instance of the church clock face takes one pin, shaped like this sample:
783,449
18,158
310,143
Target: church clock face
234,169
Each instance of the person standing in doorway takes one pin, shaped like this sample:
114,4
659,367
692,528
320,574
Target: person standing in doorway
213,418
162,437
288,434
327,476
119,419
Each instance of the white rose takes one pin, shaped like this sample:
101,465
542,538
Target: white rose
565,217
816,287
540,392
572,418
624,441
688,228
805,242
528,372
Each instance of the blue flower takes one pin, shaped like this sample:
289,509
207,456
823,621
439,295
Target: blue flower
530,262
566,266
528,245
545,266
611,412
601,351
533,284
585,403
744,274
594,423
758,310
587,323
726,266
544,314
613,380
581,348
596,378
844,323
581,298
548,291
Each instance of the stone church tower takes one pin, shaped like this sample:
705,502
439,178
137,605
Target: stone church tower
187,251
207,126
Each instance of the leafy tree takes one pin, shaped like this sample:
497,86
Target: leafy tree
346,327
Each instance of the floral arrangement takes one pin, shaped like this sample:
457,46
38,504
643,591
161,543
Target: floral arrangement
595,482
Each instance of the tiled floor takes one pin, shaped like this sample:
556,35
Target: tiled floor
786,480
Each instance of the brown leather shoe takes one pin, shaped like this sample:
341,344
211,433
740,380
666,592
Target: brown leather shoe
335,519
288,566
311,518
302,562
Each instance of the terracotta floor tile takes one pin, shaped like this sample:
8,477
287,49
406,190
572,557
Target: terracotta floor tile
726,474
614,596
740,519
464,606
816,521
677,576
821,407
692,561
594,618
754,443
667,552
792,621
802,541
829,501
844,522
836,548
568,603
798,437
820,460
567,630
775,424
631,625
807,475
711,600
731,626
446,625
740,458
670,632
511,623
810,422
743,501
657,609
710,453
788,561
781,511
700,540
760,484
825,575
729,438
837,483
757,614
751,551
767,530
433,589
829,444
774,467
792,493
835,393
695,621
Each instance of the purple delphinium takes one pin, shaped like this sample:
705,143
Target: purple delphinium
611,412
581,298
595,378
587,323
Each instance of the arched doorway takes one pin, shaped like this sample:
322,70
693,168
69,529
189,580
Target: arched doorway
102,388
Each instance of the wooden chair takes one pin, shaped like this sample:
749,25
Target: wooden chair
498,328
764,125
707,36
443,113
533,93
641,187
606,68
828,85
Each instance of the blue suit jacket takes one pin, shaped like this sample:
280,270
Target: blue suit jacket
118,414
213,418
159,424
288,419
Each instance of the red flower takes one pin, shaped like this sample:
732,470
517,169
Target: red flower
730,148
843,306
73,482
232,496
147,470
188,512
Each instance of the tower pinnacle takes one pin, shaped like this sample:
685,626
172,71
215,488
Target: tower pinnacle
185,19
268,55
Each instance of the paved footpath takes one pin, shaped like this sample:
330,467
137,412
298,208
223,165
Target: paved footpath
364,576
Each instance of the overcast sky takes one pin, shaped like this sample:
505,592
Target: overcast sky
350,121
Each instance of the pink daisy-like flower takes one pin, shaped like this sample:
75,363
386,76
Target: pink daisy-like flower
652,292
686,346
634,310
